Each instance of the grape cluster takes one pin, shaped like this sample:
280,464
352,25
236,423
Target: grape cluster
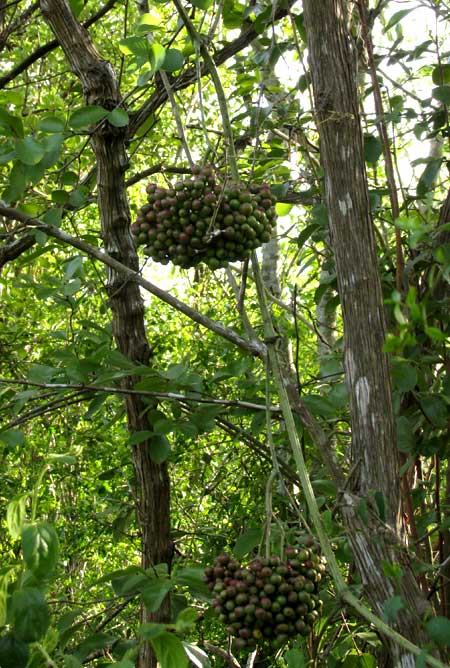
269,600
200,219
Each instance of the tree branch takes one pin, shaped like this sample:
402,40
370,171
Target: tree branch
50,46
254,347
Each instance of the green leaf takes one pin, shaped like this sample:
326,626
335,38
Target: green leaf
196,655
295,659
405,434
85,116
395,18
17,183
247,541
10,125
153,19
169,650
51,124
232,14
139,437
29,151
155,593
157,56
392,607
441,93
136,46
40,548
404,376
201,4
159,448
71,661
186,619
12,437
15,515
373,148
96,641
31,615
441,74
193,578
77,6
151,630
282,208
4,579
53,217
435,409
173,60
438,630
118,117
421,659
14,653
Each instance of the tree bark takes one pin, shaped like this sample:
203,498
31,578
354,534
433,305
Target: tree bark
100,88
374,535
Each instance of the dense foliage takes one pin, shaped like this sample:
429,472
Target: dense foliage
71,576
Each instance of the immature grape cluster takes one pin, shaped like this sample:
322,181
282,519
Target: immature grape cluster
200,219
269,600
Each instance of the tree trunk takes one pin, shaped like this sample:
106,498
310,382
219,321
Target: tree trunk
374,535
108,142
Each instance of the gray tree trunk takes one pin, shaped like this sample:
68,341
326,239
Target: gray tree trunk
100,88
375,460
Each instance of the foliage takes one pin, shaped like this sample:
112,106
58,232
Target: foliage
71,580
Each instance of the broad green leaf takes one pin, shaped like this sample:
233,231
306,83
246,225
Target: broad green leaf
4,579
77,6
40,548
150,19
373,148
53,217
282,208
61,458
186,619
14,653
155,593
196,655
164,426
392,607
31,614
10,125
295,659
157,56
139,436
118,117
435,409
17,183
247,541
151,630
169,650
404,376
405,434
29,151
441,74
71,661
159,448
438,630
173,60
395,18
201,4
51,124
12,437
15,515
232,14
93,642
421,659
136,46
428,176
193,578
442,93
86,116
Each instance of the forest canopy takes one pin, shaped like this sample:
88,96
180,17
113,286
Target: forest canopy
224,363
